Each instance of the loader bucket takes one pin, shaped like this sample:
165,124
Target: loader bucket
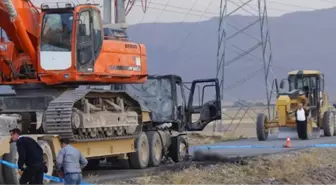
285,132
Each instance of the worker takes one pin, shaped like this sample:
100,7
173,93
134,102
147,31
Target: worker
71,162
301,115
31,155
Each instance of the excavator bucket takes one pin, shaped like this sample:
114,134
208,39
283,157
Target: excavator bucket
285,132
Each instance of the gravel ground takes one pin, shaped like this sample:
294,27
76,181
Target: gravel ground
311,166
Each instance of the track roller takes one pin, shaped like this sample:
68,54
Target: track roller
155,148
328,123
140,158
178,149
262,132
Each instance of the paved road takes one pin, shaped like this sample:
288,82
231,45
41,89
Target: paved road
273,141
123,174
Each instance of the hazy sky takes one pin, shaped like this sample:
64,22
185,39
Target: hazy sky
196,10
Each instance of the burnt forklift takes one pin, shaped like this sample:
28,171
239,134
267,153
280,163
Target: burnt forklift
306,87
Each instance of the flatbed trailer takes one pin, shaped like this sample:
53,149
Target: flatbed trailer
165,120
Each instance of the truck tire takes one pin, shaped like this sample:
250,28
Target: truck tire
155,148
178,149
2,178
47,158
262,133
328,123
140,158
11,175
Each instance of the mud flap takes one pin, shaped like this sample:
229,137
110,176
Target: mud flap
285,132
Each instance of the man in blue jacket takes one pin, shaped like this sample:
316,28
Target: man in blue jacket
70,161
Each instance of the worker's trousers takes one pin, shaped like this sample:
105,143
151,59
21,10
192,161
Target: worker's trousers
72,178
33,174
301,125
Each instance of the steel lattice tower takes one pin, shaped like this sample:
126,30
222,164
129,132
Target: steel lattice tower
258,9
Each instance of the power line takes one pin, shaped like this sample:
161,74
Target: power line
291,5
188,35
193,12
143,16
183,13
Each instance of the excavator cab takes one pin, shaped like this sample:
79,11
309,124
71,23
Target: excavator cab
69,32
73,49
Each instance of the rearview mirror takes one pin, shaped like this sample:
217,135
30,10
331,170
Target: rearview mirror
276,85
282,84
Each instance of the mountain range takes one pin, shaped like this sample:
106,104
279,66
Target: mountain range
299,40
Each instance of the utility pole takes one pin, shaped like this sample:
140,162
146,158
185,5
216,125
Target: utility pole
115,14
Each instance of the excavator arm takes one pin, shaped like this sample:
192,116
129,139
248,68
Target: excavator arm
20,20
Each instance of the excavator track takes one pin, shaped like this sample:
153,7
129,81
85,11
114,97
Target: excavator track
58,117
59,112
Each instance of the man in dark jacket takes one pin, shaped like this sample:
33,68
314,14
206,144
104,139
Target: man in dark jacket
30,155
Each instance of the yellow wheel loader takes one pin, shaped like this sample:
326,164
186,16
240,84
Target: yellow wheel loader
306,87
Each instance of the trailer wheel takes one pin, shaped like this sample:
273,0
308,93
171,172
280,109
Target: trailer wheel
2,180
11,175
155,148
93,164
47,158
178,149
262,133
328,123
140,158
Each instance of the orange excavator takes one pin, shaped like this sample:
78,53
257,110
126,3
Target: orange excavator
54,49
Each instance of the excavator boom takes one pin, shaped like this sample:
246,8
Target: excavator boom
20,19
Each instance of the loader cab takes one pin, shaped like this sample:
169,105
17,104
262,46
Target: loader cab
70,32
309,82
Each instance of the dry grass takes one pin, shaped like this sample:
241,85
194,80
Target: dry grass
314,166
